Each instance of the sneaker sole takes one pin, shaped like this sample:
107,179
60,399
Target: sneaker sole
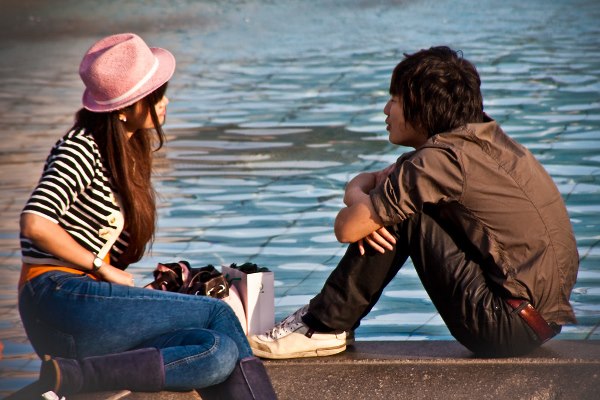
301,354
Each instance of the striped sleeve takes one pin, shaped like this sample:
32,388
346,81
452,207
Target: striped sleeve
68,171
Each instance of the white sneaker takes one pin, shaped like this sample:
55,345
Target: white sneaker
291,338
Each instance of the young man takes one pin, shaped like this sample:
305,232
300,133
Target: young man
482,221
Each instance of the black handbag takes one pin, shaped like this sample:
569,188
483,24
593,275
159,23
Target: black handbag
181,278
207,281
169,277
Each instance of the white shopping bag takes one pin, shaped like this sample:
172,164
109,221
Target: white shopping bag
257,291
235,302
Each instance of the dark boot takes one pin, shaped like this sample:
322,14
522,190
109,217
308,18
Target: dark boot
248,381
31,391
137,370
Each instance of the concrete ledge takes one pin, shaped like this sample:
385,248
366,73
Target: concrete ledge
441,370
560,369
127,395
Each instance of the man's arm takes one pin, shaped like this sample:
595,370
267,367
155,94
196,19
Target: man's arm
364,183
356,221
359,220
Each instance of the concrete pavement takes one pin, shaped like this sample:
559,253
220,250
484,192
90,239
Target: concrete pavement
561,369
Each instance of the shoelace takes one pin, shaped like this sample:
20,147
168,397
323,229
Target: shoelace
289,324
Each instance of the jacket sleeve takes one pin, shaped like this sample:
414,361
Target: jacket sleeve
430,175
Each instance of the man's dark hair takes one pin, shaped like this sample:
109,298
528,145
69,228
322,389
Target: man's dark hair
440,90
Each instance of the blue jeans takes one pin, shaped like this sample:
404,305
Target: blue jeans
74,316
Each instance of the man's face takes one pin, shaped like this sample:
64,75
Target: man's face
400,131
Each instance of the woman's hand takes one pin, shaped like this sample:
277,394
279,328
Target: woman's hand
380,240
112,274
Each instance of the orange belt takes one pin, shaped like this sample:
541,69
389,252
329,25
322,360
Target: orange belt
30,271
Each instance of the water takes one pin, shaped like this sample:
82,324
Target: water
275,105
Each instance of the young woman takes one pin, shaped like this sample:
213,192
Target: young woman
92,214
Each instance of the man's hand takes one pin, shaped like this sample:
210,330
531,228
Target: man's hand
380,240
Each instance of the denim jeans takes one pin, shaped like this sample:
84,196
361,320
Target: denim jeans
75,316
454,276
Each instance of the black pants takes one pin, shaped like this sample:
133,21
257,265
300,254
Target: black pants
472,307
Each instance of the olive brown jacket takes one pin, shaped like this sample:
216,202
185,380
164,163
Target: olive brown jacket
494,192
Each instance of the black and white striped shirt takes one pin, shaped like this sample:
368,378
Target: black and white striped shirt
75,192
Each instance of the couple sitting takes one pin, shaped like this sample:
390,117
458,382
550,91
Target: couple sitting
482,221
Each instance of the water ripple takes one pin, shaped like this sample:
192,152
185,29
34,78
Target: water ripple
275,106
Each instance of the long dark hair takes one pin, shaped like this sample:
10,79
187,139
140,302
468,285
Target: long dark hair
440,90
129,161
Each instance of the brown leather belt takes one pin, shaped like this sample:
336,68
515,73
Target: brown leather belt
542,329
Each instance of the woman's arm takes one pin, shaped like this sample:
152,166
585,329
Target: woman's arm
51,238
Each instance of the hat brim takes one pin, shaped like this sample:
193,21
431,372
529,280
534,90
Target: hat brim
166,68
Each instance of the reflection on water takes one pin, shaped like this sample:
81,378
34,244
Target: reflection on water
274,106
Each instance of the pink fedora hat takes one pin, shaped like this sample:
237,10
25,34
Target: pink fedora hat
121,69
